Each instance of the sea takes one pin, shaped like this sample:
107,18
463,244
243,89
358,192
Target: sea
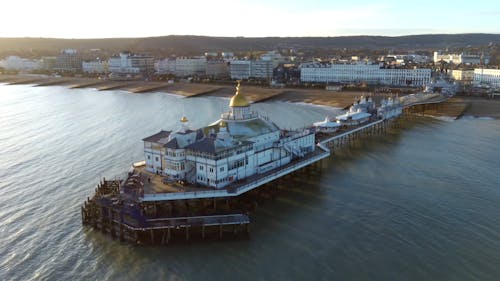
420,202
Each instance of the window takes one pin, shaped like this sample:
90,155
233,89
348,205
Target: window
201,168
222,169
211,170
149,157
156,158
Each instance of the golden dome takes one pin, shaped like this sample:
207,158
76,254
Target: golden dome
184,119
238,99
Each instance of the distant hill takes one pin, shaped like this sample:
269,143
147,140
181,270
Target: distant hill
193,45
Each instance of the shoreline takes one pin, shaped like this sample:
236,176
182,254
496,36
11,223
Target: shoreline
456,106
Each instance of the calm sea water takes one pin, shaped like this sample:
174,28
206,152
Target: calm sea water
420,203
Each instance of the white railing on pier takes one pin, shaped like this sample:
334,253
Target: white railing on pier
352,131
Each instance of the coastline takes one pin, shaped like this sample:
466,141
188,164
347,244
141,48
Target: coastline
456,106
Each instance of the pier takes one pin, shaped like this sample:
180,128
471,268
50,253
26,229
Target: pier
127,220
143,208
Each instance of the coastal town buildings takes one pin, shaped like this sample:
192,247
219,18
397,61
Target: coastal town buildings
461,58
165,66
68,60
240,69
16,63
48,63
316,72
240,144
404,59
188,66
94,67
465,76
128,65
227,55
193,66
261,69
485,76
218,69
211,54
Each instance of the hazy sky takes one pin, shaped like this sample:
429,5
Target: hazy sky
249,18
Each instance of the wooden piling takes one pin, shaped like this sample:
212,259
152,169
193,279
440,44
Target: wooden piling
168,234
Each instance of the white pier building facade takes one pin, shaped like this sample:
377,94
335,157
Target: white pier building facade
239,145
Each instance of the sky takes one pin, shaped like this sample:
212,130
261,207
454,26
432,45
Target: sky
248,18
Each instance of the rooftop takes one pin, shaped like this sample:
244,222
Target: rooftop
158,137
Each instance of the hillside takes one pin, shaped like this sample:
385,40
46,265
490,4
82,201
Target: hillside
193,45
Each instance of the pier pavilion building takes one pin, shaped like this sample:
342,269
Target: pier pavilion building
241,144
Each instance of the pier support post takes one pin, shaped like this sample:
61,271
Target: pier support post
163,234
121,231
220,231
168,235
203,232
187,233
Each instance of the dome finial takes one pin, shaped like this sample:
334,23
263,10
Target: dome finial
238,99
184,119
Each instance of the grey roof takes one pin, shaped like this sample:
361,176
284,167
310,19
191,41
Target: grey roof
204,145
158,136
172,144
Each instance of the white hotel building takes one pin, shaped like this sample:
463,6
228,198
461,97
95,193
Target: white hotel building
187,66
458,58
238,145
487,76
20,64
127,65
315,72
